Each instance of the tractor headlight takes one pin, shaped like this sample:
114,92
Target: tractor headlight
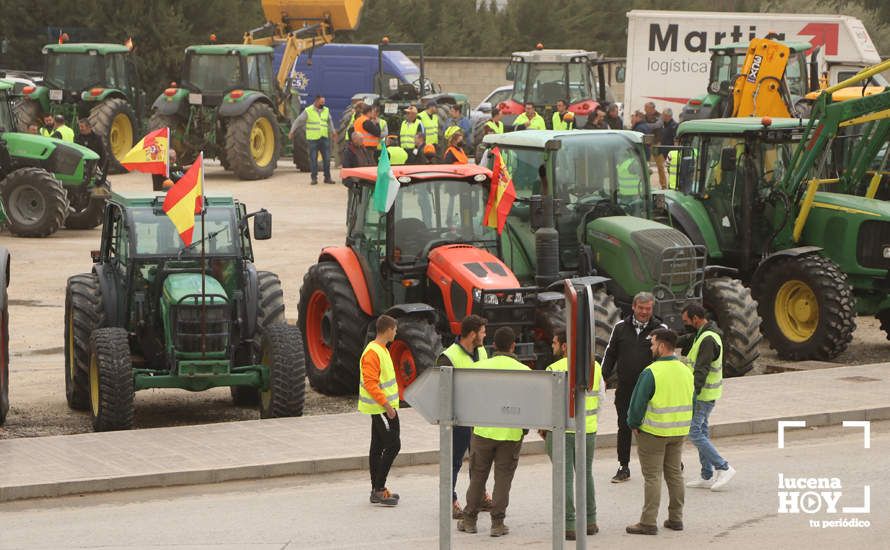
491,299
477,295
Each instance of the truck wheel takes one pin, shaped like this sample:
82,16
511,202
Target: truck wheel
35,201
333,328
4,335
735,312
84,313
416,347
112,391
26,112
115,121
84,211
252,143
301,148
270,310
807,308
282,353
185,154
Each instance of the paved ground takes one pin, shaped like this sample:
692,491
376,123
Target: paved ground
305,219
60,465
331,511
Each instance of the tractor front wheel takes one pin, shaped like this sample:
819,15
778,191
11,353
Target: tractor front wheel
115,122
333,328
416,347
252,142
35,202
112,392
84,313
282,354
735,312
807,308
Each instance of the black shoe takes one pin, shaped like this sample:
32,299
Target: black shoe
673,525
313,182
622,475
332,182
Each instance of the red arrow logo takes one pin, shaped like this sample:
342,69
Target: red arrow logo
824,34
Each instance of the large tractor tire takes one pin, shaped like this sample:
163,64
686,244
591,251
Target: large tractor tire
282,353
84,211
270,311
185,154
4,335
301,148
115,122
26,112
84,313
35,202
735,312
252,143
333,328
807,308
112,391
416,347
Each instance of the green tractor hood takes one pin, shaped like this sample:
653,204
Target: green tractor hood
64,159
181,285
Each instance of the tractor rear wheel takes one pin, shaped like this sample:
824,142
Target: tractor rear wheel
252,142
270,310
26,112
112,392
4,335
282,353
735,312
35,201
115,122
301,148
807,308
416,347
333,328
84,313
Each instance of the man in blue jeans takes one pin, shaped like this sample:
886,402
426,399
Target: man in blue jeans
319,132
706,357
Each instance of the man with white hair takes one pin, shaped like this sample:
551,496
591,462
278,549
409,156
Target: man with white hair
628,353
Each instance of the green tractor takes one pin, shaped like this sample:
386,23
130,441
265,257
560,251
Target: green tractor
227,104
155,314
46,183
584,207
97,81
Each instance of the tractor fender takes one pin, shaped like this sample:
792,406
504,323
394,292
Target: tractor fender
237,107
108,294
558,287
413,310
172,105
685,222
106,93
349,263
714,271
787,253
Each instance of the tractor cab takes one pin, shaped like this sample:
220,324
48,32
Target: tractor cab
216,73
543,77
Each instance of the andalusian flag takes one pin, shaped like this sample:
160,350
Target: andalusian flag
150,155
501,196
387,186
184,200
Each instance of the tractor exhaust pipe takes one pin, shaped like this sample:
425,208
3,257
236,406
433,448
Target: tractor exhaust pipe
546,243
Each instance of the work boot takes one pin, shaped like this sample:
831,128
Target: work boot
332,182
622,475
456,511
384,498
498,529
570,534
467,525
641,529
673,525
592,529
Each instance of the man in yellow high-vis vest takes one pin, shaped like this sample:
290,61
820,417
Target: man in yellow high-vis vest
563,119
529,119
660,413
320,133
706,358
592,404
378,396
494,446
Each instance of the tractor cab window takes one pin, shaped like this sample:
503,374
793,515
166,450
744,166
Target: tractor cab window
117,249
437,212
580,82
116,71
155,234
716,177
523,165
214,73
796,76
726,65
73,71
267,77
253,72
540,83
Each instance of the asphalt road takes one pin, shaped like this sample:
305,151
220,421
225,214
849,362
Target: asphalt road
331,511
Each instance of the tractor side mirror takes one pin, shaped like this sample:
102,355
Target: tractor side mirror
686,173
727,159
262,225
485,107
620,74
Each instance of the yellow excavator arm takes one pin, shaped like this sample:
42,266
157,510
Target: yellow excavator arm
758,89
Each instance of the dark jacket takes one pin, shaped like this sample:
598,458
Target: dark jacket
354,157
668,136
417,156
628,353
615,123
94,142
708,350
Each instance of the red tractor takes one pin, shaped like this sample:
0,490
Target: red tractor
428,262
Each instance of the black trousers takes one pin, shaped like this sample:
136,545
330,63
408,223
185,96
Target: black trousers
385,446
622,402
460,440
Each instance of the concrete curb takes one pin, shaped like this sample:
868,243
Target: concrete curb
317,466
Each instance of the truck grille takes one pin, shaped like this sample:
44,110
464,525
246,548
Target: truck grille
187,328
873,245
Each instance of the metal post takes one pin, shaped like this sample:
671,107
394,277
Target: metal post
558,458
446,428
580,468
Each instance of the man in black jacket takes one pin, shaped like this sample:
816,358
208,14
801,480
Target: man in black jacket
628,353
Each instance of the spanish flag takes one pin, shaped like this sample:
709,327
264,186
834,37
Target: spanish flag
184,200
151,154
501,196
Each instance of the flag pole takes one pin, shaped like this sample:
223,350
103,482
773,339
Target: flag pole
203,267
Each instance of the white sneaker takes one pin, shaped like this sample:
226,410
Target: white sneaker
723,477
701,483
